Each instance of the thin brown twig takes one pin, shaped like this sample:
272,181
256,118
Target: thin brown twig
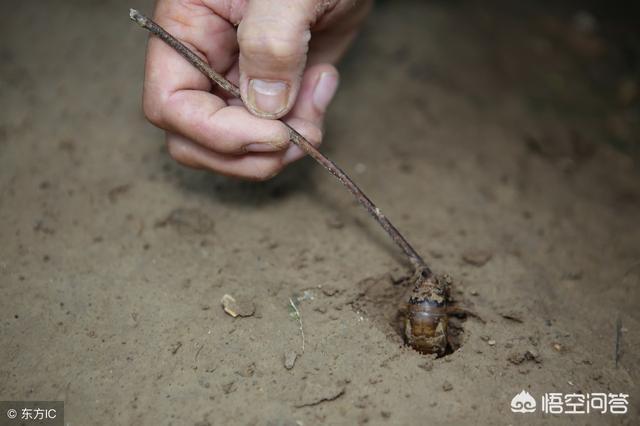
295,137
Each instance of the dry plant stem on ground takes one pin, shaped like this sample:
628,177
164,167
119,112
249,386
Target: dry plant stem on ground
295,137
299,318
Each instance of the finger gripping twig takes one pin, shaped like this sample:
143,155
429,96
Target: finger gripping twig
295,137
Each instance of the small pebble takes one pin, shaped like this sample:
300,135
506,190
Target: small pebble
446,386
477,257
290,359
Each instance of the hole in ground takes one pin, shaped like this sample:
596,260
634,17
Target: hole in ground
382,299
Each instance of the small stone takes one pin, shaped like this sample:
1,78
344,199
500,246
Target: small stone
446,386
237,308
477,257
491,342
290,359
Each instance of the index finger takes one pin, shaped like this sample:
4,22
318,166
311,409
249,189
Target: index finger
166,72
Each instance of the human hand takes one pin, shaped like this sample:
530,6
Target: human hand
281,55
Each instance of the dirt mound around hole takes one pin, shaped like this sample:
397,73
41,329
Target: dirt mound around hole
382,300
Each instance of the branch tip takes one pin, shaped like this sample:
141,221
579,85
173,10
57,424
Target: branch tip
137,17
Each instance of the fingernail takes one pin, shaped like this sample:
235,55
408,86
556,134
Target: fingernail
268,98
293,153
324,91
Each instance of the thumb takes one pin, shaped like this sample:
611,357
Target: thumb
274,39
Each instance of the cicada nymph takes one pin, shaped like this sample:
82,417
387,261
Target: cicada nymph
425,315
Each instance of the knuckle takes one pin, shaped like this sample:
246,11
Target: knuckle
276,48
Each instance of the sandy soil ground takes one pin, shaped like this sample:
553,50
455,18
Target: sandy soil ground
502,142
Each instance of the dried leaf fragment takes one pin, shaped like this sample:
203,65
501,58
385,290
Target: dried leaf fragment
237,308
